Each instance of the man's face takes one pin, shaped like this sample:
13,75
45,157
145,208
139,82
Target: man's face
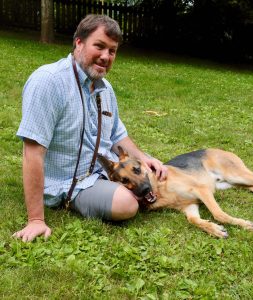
96,54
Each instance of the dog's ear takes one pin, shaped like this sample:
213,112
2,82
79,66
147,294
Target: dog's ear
122,154
107,164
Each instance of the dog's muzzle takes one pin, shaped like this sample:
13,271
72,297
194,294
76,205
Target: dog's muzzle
144,191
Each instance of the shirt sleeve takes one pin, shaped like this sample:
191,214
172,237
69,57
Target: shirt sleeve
41,108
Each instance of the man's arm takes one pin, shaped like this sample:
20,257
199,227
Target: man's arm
151,163
33,181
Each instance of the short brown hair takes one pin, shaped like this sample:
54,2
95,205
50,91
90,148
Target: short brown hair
90,24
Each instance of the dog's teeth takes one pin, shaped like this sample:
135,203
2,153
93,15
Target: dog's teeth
152,198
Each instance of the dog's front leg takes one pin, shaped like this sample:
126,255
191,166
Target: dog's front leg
192,213
206,196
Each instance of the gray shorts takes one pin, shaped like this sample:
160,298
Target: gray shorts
96,201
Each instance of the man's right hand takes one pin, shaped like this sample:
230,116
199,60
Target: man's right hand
32,230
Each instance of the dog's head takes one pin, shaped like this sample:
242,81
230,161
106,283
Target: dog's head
131,173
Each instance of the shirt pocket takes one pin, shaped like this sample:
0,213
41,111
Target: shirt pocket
107,124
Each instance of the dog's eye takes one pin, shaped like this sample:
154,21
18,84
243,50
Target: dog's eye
137,170
124,180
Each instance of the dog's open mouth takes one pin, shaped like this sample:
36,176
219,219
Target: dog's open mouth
150,197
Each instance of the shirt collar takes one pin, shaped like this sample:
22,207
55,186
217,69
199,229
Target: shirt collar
99,84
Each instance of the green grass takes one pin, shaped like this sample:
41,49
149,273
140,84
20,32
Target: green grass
157,255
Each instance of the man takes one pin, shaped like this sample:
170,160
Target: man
50,128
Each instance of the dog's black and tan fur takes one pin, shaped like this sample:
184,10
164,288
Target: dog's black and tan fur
192,178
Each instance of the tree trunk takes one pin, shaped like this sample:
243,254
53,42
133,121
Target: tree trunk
47,21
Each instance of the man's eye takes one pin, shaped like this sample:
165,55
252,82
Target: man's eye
137,170
98,46
112,52
124,180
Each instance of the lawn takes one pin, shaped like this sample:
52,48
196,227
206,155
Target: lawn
170,105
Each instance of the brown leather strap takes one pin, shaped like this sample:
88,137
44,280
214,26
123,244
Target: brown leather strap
93,161
94,158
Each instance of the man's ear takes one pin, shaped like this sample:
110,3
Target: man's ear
122,154
107,164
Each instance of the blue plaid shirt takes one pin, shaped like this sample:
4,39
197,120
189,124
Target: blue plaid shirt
52,115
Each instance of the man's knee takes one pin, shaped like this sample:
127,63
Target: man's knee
124,204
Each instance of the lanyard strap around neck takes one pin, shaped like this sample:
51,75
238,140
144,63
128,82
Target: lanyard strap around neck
93,161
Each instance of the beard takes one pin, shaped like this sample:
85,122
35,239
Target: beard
92,73
90,70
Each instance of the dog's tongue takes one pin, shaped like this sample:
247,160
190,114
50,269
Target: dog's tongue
150,197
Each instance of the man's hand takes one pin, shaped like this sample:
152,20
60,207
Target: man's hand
160,170
33,229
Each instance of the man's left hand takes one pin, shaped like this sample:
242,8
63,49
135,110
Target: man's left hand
161,170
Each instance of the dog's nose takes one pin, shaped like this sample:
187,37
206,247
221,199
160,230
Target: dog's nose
145,190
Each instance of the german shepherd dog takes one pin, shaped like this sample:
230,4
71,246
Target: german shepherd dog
192,178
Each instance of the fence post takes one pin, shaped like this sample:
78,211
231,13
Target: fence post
1,12
47,21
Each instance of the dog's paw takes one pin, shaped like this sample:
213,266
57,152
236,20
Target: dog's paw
219,231
249,225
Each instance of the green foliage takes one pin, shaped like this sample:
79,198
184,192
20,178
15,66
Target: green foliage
156,255
205,28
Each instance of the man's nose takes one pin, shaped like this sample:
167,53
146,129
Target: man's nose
105,54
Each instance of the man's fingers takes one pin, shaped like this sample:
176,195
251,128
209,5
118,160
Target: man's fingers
32,230
17,234
25,238
47,233
161,171
147,167
158,173
164,173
